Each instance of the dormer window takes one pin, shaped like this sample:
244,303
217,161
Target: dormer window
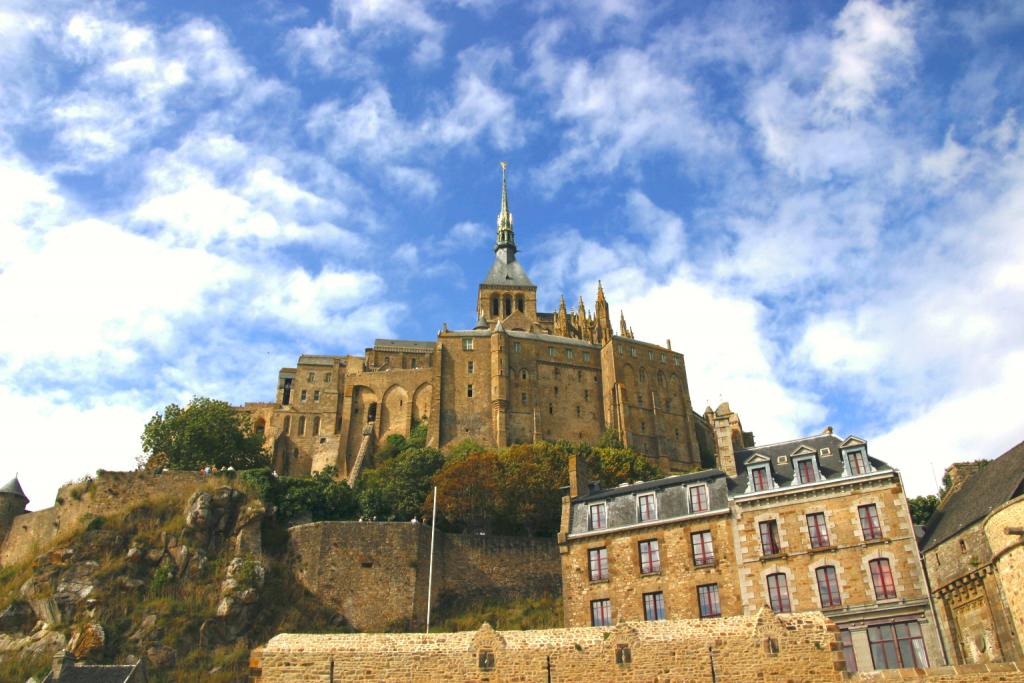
647,507
806,470
857,462
698,498
760,478
598,517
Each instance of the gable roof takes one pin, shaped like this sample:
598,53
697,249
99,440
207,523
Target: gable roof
990,487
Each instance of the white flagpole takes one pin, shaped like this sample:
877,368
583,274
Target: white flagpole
430,573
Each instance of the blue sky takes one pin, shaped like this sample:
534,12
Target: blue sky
820,204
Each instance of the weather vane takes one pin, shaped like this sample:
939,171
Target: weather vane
504,165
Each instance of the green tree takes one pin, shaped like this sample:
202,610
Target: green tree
922,508
205,432
467,489
397,488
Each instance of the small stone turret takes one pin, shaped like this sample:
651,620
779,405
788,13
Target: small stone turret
12,503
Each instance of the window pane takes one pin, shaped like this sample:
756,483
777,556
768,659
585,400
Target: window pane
646,505
650,560
778,593
707,598
654,606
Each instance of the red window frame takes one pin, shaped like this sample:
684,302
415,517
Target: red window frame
759,478
598,563
870,525
778,593
817,530
601,612
828,586
650,557
600,521
806,470
654,606
703,548
647,506
708,602
699,502
769,538
858,462
881,578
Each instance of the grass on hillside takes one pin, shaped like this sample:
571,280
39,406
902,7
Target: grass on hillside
516,614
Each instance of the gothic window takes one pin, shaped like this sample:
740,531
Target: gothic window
302,425
495,306
287,427
287,392
520,303
316,425
524,374
643,375
661,378
508,304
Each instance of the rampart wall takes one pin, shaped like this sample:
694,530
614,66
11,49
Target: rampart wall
103,495
799,648
376,573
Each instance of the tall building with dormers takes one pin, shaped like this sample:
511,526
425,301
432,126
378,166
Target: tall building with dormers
517,375
810,524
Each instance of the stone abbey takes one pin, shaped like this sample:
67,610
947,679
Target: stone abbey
519,375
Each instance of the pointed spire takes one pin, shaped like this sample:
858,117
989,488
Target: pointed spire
623,330
600,291
506,235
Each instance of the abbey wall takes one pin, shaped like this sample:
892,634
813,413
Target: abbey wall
375,574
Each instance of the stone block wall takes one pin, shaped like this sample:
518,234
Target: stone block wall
1008,557
376,573
797,648
106,494
972,673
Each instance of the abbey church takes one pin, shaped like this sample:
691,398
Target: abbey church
518,375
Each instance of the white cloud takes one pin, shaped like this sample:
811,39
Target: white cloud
383,20
327,49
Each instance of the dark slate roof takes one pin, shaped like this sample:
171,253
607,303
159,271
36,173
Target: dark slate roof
830,466
999,481
87,673
602,494
13,486
512,273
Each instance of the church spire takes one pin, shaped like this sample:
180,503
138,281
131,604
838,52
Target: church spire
506,237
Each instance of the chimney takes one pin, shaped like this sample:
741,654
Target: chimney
579,476
726,427
63,662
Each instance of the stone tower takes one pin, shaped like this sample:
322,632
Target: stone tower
12,503
506,292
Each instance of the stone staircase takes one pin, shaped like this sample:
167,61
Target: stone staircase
365,447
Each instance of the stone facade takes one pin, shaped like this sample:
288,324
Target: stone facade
517,376
810,524
972,551
375,574
761,647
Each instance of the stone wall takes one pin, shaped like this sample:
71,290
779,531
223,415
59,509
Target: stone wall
376,573
105,494
1002,528
973,673
797,648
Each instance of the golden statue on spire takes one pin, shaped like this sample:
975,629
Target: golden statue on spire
504,165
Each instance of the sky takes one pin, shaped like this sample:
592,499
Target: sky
821,204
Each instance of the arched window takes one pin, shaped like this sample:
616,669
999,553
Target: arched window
524,374
508,304
643,375
495,306
661,378
371,414
520,303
